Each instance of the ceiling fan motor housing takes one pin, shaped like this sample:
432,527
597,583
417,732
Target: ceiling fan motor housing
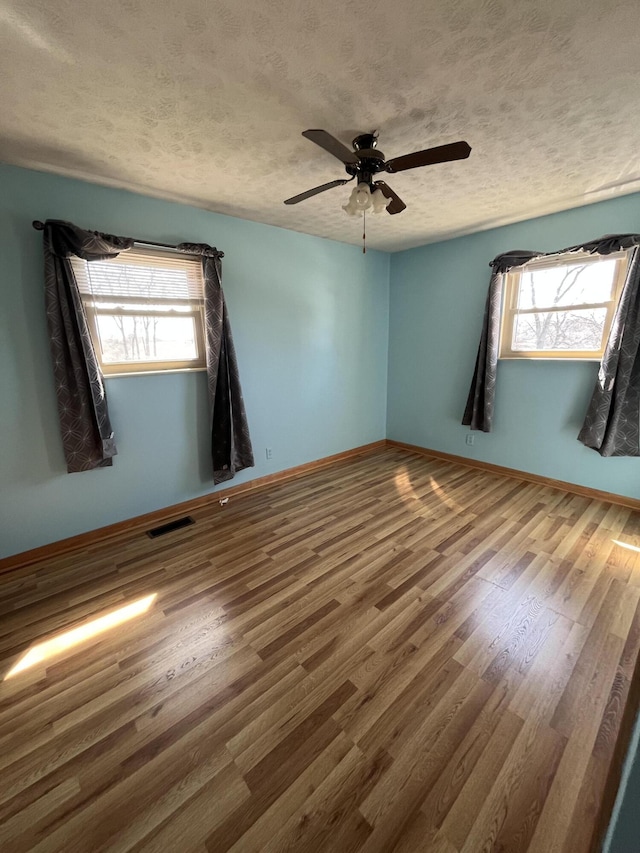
371,160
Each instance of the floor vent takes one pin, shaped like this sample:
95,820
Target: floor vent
170,527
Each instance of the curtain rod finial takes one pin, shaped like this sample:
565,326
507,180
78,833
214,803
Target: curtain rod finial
39,226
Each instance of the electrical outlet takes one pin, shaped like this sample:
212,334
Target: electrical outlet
470,439
269,453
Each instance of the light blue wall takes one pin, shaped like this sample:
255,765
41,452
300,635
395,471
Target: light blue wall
437,301
310,324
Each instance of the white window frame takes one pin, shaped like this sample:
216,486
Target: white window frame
127,368
510,308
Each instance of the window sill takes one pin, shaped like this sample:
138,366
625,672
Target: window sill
153,372
596,359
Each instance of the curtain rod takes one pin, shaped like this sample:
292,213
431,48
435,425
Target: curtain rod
39,226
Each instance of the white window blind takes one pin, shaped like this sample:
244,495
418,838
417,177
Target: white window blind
141,276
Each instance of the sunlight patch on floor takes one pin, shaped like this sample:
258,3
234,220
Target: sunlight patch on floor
403,485
408,494
626,545
444,498
60,643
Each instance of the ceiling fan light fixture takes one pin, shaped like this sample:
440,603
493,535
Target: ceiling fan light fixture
350,207
379,201
361,196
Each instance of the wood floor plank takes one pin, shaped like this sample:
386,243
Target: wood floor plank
468,804
394,654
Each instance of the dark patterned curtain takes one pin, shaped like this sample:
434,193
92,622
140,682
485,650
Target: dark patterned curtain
231,449
87,437
478,413
612,422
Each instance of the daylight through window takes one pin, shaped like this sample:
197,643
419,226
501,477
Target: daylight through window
144,310
561,306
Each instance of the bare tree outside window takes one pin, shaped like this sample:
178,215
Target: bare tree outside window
133,338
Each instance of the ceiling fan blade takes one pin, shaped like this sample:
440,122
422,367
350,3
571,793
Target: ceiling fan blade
439,154
332,145
396,205
301,197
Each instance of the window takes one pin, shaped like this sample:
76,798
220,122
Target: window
562,306
145,310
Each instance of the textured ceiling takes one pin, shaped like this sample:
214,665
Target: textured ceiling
204,101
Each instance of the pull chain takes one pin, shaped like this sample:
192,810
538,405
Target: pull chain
364,232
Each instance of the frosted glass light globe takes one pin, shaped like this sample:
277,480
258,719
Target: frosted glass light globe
363,197
380,201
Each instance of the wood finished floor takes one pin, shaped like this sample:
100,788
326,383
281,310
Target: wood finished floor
393,654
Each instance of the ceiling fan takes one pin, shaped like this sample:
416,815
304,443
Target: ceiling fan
365,161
